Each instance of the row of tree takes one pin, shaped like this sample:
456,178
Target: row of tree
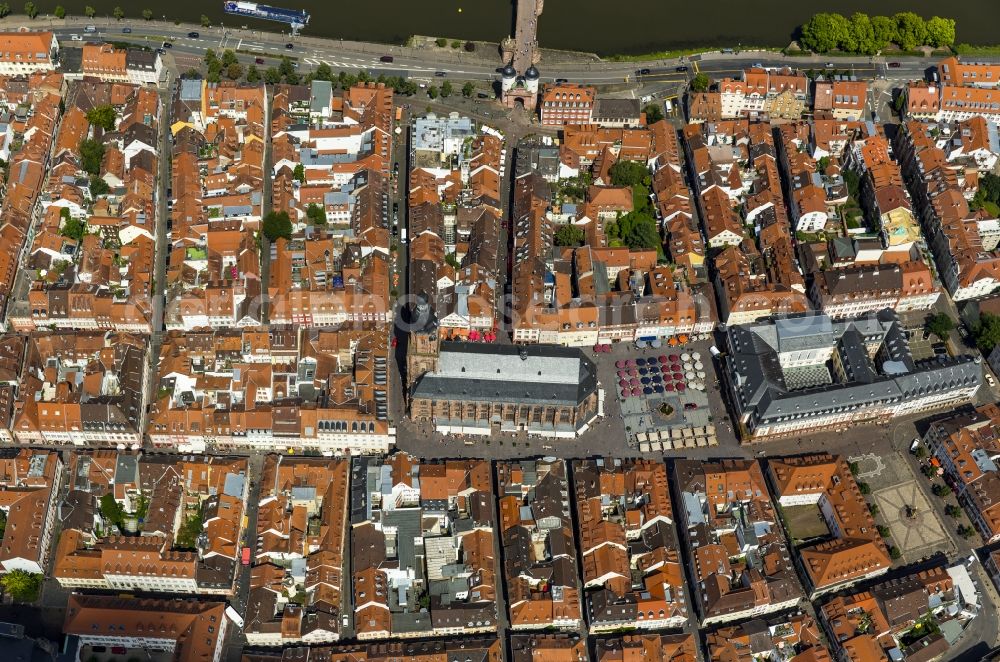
31,10
868,35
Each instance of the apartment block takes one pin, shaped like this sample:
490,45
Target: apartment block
217,158
423,550
331,171
125,65
186,630
632,573
538,548
92,254
915,617
297,582
647,646
472,649
739,566
853,551
812,372
796,636
962,241
28,166
283,388
531,647
29,488
81,388
27,52
965,445
563,103
153,523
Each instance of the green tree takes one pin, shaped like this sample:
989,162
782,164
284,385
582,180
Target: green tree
825,32
455,43
446,89
921,452
187,535
210,57
653,113
21,585
111,510
323,72
206,22
89,11
940,325
228,58
940,490
299,173
286,68
874,509
911,31
883,530
30,9
894,553
91,155
253,76
863,34
103,116
118,13
74,229
941,31
987,332
864,488
638,230
700,83
272,75
468,89
885,31
59,12
316,214
953,511
441,42
4,9
147,14
629,173
277,224
569,235
432,92
98,186
234,71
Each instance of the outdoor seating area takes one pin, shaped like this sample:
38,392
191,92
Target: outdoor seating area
677,438
661,374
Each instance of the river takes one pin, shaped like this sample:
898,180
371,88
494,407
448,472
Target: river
641,26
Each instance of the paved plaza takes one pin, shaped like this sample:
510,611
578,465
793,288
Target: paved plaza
921,533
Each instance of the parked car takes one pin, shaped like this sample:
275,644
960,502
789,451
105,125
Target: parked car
830,65
562,80
482,95
894,65
989,380
76,37
691,405
758,65
386,58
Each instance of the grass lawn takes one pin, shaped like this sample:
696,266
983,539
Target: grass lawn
804,522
